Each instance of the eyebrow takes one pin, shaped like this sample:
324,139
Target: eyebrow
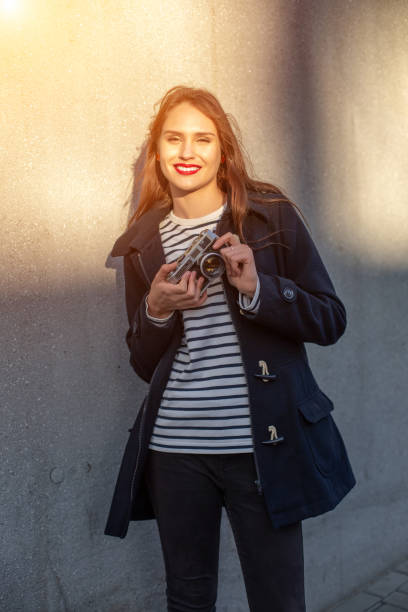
195,133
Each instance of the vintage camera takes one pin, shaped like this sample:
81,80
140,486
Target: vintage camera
201,258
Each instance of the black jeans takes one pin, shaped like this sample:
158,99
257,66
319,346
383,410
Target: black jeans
188,492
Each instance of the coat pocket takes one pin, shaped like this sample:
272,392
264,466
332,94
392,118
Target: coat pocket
320,431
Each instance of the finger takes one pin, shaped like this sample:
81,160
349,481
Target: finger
164,270
229,256
182,285
202,298
228,267
236,258
228,238
197,301
191,286
236,266
199,287
192,298
240,252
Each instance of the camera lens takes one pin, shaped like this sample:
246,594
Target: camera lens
212,265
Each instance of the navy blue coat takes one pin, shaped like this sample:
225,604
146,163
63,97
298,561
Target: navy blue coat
306,471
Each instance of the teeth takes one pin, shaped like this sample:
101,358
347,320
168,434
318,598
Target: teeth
187,170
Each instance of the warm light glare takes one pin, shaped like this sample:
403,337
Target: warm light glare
10,6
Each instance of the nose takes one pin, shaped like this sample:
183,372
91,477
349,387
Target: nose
186,150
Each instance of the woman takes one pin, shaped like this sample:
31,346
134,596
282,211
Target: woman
233,416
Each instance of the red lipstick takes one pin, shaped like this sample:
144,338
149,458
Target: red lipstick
187,169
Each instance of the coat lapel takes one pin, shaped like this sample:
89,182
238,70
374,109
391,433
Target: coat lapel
142,242
151,257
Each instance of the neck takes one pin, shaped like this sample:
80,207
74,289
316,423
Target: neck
197,203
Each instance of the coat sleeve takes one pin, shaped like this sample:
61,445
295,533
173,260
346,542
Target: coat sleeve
146,341
302,304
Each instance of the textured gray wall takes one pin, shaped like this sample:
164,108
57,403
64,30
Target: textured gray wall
320,91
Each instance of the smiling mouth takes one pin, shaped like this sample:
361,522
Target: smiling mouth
187,168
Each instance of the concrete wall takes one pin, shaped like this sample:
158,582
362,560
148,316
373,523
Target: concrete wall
320,90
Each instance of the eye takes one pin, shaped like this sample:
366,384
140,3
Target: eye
173,139
203,140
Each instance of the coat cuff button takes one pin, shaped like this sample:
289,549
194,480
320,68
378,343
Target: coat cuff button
289,294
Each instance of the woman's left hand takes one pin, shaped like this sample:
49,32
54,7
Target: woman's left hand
239,263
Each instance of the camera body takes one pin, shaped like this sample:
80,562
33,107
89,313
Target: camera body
200,258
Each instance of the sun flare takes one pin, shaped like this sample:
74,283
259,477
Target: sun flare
10,7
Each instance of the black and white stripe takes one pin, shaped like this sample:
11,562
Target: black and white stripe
205,406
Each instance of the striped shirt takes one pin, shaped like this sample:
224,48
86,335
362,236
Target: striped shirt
205,406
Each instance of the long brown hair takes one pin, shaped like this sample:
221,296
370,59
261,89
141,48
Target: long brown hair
232,177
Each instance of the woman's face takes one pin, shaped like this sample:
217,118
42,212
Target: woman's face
189,149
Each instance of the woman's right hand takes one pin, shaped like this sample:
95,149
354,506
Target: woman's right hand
164,297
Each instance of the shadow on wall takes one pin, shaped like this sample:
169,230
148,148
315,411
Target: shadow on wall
336,115
115,263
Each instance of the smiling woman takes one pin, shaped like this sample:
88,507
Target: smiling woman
219,133
234,416
189,152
